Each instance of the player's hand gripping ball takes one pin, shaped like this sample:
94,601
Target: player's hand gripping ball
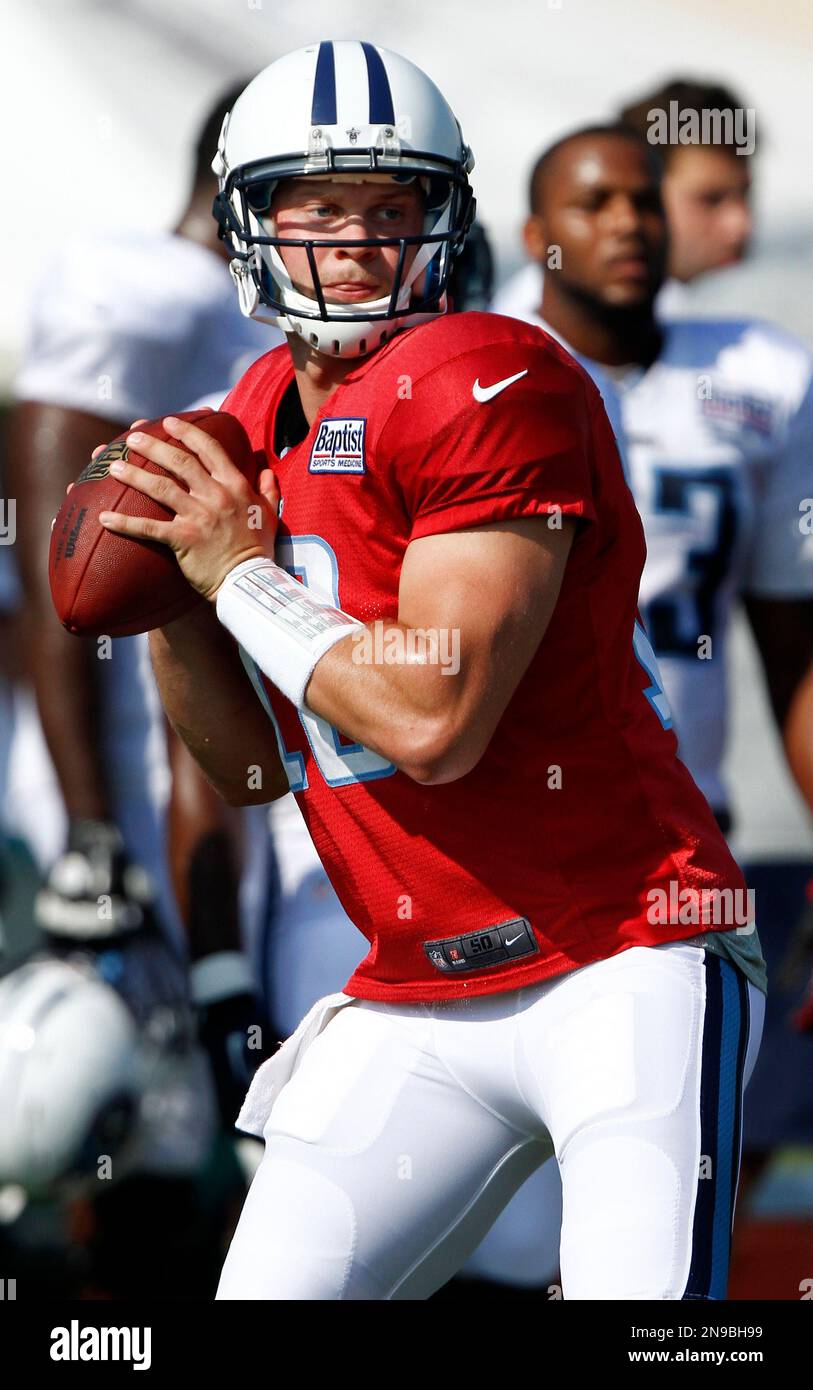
155,522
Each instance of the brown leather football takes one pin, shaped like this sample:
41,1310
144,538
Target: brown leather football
103,583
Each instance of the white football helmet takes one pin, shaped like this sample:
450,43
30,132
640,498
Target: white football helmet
341,108
86,1071
68,1072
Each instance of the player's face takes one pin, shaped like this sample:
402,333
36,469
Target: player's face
706,193
327,209
602,207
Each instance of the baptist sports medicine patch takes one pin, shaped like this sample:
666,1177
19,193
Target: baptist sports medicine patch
339,447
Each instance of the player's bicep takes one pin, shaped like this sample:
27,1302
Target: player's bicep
489,593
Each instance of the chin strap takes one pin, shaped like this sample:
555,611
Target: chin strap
247,293
377,331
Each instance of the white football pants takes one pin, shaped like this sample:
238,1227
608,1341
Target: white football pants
406,1129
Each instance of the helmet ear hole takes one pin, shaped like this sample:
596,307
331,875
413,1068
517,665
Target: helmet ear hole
259,195
438,192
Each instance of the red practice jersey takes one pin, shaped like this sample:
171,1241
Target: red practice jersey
543,857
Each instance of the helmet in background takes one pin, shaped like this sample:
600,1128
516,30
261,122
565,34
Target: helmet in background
68,1072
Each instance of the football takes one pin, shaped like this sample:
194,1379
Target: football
103,583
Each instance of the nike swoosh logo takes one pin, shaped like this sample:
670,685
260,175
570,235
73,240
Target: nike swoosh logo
487,393
513,939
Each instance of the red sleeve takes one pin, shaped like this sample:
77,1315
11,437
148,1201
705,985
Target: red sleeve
462,462
240,394
249,398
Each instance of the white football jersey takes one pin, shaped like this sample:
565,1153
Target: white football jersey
600,375
718,444
136,324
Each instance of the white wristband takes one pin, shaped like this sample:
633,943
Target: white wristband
280,623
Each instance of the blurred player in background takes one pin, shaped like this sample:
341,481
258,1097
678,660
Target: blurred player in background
717,421
706,188
706,191
120,325
718,425
123,326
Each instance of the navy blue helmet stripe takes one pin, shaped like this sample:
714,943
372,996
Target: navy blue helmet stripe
323,108
382,111
725,1032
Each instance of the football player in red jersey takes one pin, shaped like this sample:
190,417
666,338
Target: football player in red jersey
434,598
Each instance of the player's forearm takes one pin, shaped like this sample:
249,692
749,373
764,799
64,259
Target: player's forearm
428,692
797,733
210,703
408,700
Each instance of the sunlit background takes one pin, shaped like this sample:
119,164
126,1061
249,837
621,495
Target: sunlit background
103,99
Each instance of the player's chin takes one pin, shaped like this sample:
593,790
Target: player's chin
347,298
728,258
630,293
361,296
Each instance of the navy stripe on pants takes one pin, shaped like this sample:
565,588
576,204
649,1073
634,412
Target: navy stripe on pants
725,1040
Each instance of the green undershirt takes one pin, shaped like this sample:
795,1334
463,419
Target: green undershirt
739,947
